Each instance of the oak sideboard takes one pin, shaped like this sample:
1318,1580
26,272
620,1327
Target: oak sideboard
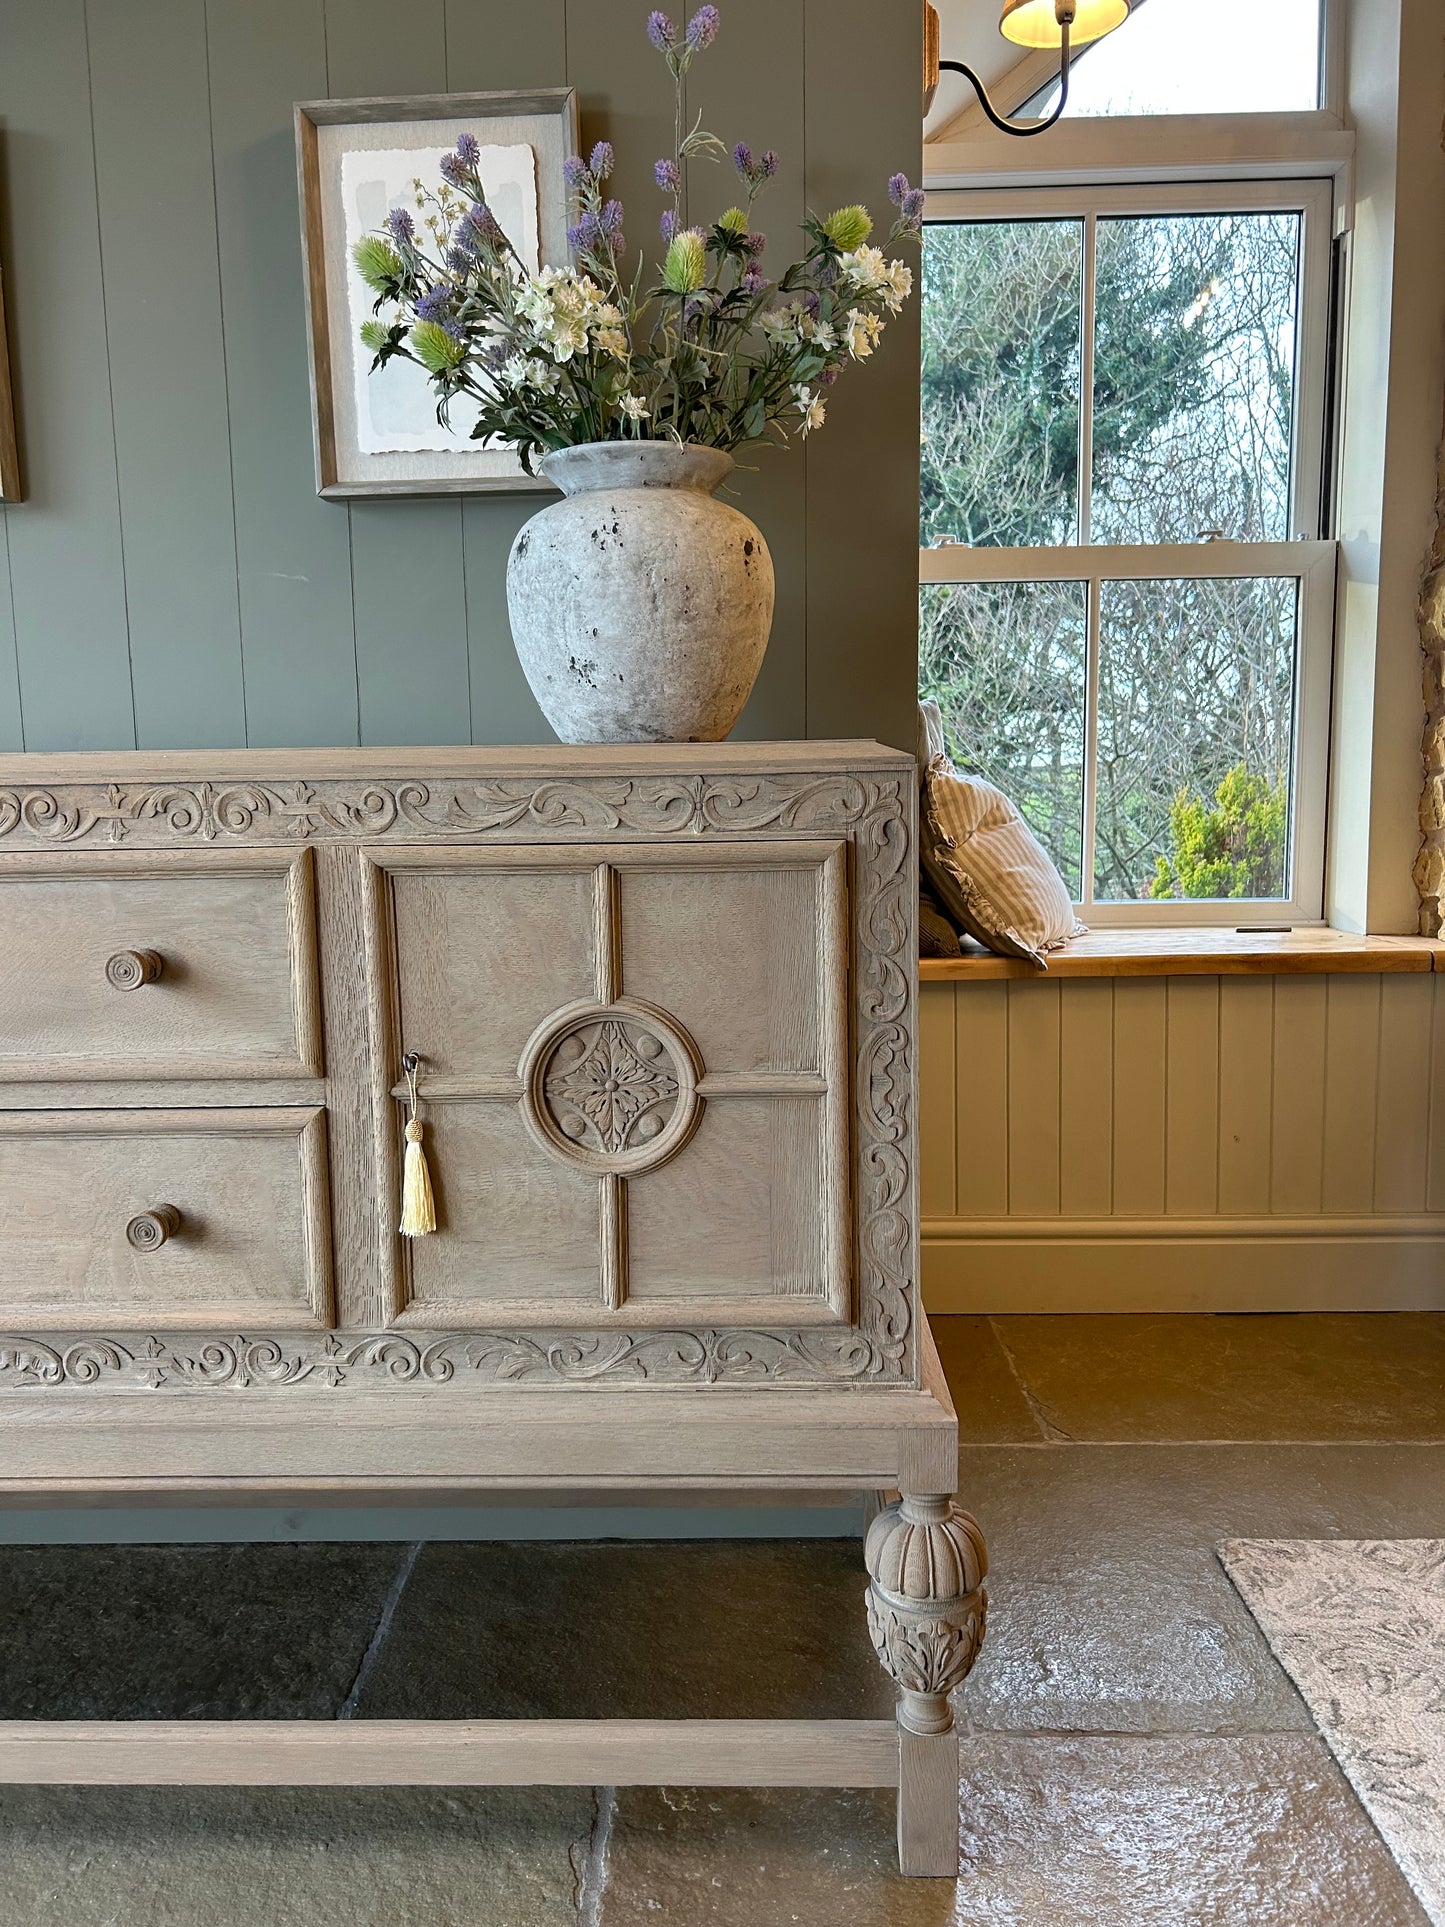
659,1008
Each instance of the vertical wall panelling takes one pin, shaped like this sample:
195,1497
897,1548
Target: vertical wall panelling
293,550
1246,1058
1140,1083
66,569
174,574
168,370
1221,1144
505,46
981,1060
406,555
1192,1099
1435,1184
743,97
1033,1098
862,125
938,1092
1086,1098
1403,1103
1352,1066
1297,1138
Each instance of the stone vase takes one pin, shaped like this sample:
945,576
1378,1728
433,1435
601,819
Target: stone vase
640,605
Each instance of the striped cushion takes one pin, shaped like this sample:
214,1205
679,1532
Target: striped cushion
988,869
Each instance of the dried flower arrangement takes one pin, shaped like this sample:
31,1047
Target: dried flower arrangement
709,350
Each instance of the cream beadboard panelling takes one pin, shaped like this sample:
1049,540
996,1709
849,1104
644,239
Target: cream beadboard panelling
1184,1143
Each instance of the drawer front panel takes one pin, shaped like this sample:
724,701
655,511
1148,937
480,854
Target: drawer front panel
202,968
192,1219
634,1078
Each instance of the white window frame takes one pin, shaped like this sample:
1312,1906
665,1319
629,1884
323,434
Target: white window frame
1311,561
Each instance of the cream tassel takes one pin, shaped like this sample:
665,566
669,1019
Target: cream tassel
418,1207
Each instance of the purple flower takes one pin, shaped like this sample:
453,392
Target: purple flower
434,305
912,204
586,234
755,244
486,224
812,303
601,161
660,31
617,241
574,171
468,149
668,226
702,28
611,216
768,164
454,328
451,169
400,223
897,188
754,280
743,160
827,376
668,176
459,258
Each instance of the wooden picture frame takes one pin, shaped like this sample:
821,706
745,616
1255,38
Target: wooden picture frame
12,488
359,453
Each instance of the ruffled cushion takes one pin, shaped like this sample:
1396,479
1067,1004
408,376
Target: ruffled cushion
988,870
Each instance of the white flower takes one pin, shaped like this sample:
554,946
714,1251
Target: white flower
897,285
795,321
633,407
862,333
612,341
810,407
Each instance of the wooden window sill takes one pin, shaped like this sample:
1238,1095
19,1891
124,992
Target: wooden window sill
1200,953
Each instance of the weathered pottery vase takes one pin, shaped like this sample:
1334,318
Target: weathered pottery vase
640,605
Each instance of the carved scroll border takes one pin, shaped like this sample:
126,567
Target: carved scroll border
875,808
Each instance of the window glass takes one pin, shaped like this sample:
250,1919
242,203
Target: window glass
1005,662
1181,57
1194,351
1196,708
1001,309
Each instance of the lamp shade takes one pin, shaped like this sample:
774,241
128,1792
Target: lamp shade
1034,23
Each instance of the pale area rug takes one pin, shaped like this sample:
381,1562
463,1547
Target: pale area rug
1359,1626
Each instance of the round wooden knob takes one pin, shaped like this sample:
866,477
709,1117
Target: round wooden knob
129,969
149,1230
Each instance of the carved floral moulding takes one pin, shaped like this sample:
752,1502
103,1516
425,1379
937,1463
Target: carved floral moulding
155,815
331,1360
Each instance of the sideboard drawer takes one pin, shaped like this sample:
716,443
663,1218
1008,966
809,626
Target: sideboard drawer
130,967
201,1219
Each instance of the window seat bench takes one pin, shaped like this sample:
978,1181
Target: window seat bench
1201,952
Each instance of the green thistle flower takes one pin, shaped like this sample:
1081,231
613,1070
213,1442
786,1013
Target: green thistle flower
685,268
434,348
734,221
848,227
377,262
374,335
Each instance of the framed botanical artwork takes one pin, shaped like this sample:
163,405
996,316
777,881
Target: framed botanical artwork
356,160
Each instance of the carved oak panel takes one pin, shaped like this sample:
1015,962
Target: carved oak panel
754,923
670,1026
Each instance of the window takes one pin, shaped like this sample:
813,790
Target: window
1125,609
1176,57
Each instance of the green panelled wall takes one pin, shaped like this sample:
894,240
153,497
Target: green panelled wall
172,580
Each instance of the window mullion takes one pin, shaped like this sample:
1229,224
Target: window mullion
1091,740
1086,384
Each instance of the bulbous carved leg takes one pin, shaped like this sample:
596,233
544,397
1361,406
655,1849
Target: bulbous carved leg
926,1610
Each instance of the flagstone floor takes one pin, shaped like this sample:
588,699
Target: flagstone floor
1133,1756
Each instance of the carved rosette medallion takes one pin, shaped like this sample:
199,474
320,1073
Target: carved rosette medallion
611,1088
